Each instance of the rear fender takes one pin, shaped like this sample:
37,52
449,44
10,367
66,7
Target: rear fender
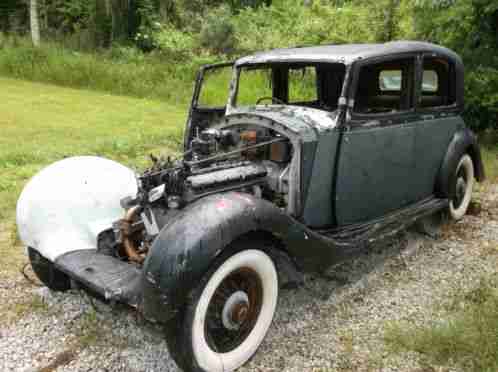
464,141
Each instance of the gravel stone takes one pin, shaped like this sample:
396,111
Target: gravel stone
335,322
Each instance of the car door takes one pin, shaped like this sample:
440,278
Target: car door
377,152
437,118
211,91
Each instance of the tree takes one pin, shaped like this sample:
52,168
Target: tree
35,22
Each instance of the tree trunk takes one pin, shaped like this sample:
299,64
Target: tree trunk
119,14
35,24
101,24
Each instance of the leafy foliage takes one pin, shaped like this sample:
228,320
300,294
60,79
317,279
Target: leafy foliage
469,27
195,30
217,34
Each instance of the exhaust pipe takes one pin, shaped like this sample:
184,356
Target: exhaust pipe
130,249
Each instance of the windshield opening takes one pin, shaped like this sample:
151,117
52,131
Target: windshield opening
306,85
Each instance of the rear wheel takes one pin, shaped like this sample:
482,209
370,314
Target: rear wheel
52,278
463,185
229,315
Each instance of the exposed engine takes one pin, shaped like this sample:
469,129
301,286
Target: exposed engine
250,159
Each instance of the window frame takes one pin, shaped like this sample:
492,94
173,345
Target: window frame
280,83
452,77
358,65
199,83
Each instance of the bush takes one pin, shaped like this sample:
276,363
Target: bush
469,28
176,43
290,23
218,33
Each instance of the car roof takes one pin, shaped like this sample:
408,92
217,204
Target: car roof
345,53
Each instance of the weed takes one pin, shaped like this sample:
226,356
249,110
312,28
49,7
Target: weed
490,158
89,331
453,340
16,310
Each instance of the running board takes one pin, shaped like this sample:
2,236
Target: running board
357,234
108,276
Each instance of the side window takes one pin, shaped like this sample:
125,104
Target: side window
215,87
390,80
302,85
385,87
438,79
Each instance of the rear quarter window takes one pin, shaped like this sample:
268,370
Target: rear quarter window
390,80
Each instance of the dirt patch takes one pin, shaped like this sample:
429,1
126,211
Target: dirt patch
61,359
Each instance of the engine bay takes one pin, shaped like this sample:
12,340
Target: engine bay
246,158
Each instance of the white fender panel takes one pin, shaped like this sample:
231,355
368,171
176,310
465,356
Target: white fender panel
66,205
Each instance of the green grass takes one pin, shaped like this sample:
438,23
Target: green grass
490,159
468,337
42,123
120,71
12,311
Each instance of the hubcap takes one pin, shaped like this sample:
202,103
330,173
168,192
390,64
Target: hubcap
233,310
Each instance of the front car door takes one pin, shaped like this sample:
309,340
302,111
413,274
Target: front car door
377,156
209,101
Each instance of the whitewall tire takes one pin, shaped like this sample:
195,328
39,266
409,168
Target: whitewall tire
230,313
464,184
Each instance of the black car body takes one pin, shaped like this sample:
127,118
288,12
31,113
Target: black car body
355,143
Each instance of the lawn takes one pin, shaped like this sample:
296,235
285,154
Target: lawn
42,123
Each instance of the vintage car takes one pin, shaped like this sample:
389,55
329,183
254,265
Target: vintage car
313,153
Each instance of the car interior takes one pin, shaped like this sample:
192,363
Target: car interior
387,87
307,85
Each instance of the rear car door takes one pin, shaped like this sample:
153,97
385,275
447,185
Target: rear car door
376,161
437,118
211,91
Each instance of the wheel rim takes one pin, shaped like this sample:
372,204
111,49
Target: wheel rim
255,317
233,310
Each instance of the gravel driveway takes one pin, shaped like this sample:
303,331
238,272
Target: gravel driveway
334,323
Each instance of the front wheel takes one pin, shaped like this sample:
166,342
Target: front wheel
230,313
463,185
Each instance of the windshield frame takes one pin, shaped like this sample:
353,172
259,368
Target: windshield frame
232,106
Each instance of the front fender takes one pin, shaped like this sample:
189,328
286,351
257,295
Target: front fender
464,141
186,247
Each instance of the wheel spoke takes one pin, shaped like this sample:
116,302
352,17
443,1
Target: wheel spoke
226,306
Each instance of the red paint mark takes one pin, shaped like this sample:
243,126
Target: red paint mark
222,204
